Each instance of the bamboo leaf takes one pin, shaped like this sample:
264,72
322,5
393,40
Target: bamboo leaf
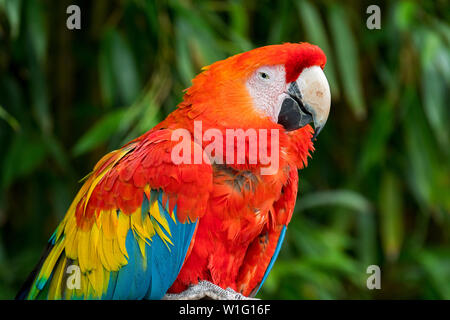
9,119
344,198
12,9
239,20
24,155
99,133
107,85
347,58
374,146
435,87
436,264
122,68
36,29
391,215
316,34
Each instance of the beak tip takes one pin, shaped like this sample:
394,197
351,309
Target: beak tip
316,132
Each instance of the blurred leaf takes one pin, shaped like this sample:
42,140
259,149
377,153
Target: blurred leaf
12,99
23,156
316,34
99,133
405,12
391,216
12,9
39,97
183,61
36,28
36,36
9,119
141,116
366,245
277,30
443,29
426,174
148,120
204,47
347,59
434,86
374,146
239,27
344,198
122,68
239,21
106,76
437,266
58,153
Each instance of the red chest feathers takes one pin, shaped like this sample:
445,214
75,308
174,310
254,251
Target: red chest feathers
241,205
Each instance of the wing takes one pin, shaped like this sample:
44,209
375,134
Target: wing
263,251
129,229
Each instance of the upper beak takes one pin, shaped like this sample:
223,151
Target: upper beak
309,100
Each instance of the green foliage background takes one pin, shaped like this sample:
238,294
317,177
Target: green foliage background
377,190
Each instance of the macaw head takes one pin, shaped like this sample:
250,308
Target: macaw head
277,85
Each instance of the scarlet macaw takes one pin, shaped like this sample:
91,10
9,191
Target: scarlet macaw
145,227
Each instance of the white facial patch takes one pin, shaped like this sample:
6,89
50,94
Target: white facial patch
267,87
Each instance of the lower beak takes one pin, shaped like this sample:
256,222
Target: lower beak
308,101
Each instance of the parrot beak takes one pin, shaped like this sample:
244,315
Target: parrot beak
309,101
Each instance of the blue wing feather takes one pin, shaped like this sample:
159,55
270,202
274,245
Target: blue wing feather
274,257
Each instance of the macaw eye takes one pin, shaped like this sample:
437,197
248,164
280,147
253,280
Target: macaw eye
264,75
